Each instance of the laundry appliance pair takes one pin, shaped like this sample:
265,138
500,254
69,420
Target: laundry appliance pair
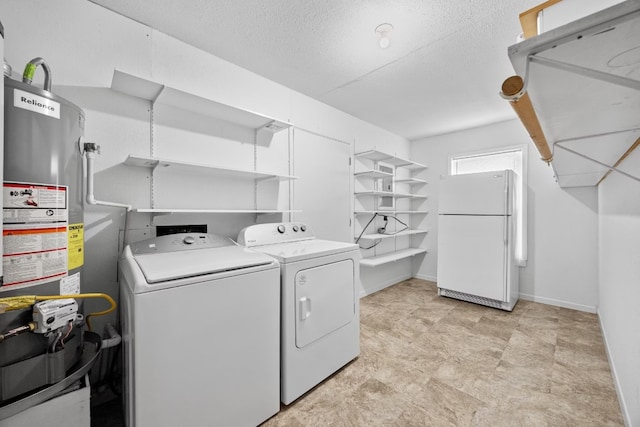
217,331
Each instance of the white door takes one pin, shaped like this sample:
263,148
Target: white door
325,300
323,188
472,255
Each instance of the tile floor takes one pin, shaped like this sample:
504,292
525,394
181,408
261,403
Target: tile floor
432,361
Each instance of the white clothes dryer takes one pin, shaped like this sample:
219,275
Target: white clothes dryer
200,322
320,323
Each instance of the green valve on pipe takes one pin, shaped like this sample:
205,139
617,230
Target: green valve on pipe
29,71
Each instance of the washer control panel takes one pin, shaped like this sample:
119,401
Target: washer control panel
180,242
267,234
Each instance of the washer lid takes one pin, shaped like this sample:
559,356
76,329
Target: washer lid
305,249
165,266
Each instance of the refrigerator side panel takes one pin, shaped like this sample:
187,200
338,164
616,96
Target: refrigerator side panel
486,193
472,255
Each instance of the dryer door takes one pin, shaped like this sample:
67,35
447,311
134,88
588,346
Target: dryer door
325,300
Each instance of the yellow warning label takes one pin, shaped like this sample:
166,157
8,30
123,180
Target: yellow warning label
76,246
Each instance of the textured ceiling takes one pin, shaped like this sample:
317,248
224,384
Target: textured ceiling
442,72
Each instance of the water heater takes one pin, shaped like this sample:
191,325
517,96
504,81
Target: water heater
42,237
1,130
43,203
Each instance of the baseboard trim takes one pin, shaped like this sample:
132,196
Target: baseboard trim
559,303
614,374
425,277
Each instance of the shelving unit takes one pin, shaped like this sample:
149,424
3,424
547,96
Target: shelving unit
385,179
583,80
193,176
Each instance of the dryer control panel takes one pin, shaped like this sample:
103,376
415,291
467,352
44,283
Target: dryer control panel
279,232
180,242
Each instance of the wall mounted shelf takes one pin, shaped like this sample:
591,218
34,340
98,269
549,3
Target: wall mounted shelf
154,163
374,174
390,194
391,257
216,211
382,212
376,236
410,181
390,159
150,90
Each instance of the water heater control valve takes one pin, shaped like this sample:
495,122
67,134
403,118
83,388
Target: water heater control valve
53,314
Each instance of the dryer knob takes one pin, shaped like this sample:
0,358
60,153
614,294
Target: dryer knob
189,240
281,229
295,228
303,228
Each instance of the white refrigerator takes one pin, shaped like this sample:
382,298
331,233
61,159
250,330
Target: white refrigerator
476,230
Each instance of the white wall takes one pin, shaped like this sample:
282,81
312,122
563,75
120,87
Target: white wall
562,223
619,288
83,44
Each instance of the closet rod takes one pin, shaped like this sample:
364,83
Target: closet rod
513,90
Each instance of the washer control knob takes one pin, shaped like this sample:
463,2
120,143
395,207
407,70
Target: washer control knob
303,228
281,229
189,240
295,228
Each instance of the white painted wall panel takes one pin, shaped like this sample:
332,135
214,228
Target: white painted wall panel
619,288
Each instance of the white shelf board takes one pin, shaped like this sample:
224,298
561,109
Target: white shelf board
391,257
224,211
389,194
374,174
150,90
390,212
154,162
390,158
376,236
410,181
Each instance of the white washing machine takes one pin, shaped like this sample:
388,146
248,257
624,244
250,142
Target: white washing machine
320,329
201,330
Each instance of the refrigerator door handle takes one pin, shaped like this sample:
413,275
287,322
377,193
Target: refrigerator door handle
506,210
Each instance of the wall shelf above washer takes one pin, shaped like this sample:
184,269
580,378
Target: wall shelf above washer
219,211
155,163
150,90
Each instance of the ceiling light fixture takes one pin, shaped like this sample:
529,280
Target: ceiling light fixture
383,31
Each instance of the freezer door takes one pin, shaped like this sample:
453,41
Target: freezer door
472,255
486,193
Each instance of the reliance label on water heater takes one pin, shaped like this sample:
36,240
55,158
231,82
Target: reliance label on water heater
35,103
